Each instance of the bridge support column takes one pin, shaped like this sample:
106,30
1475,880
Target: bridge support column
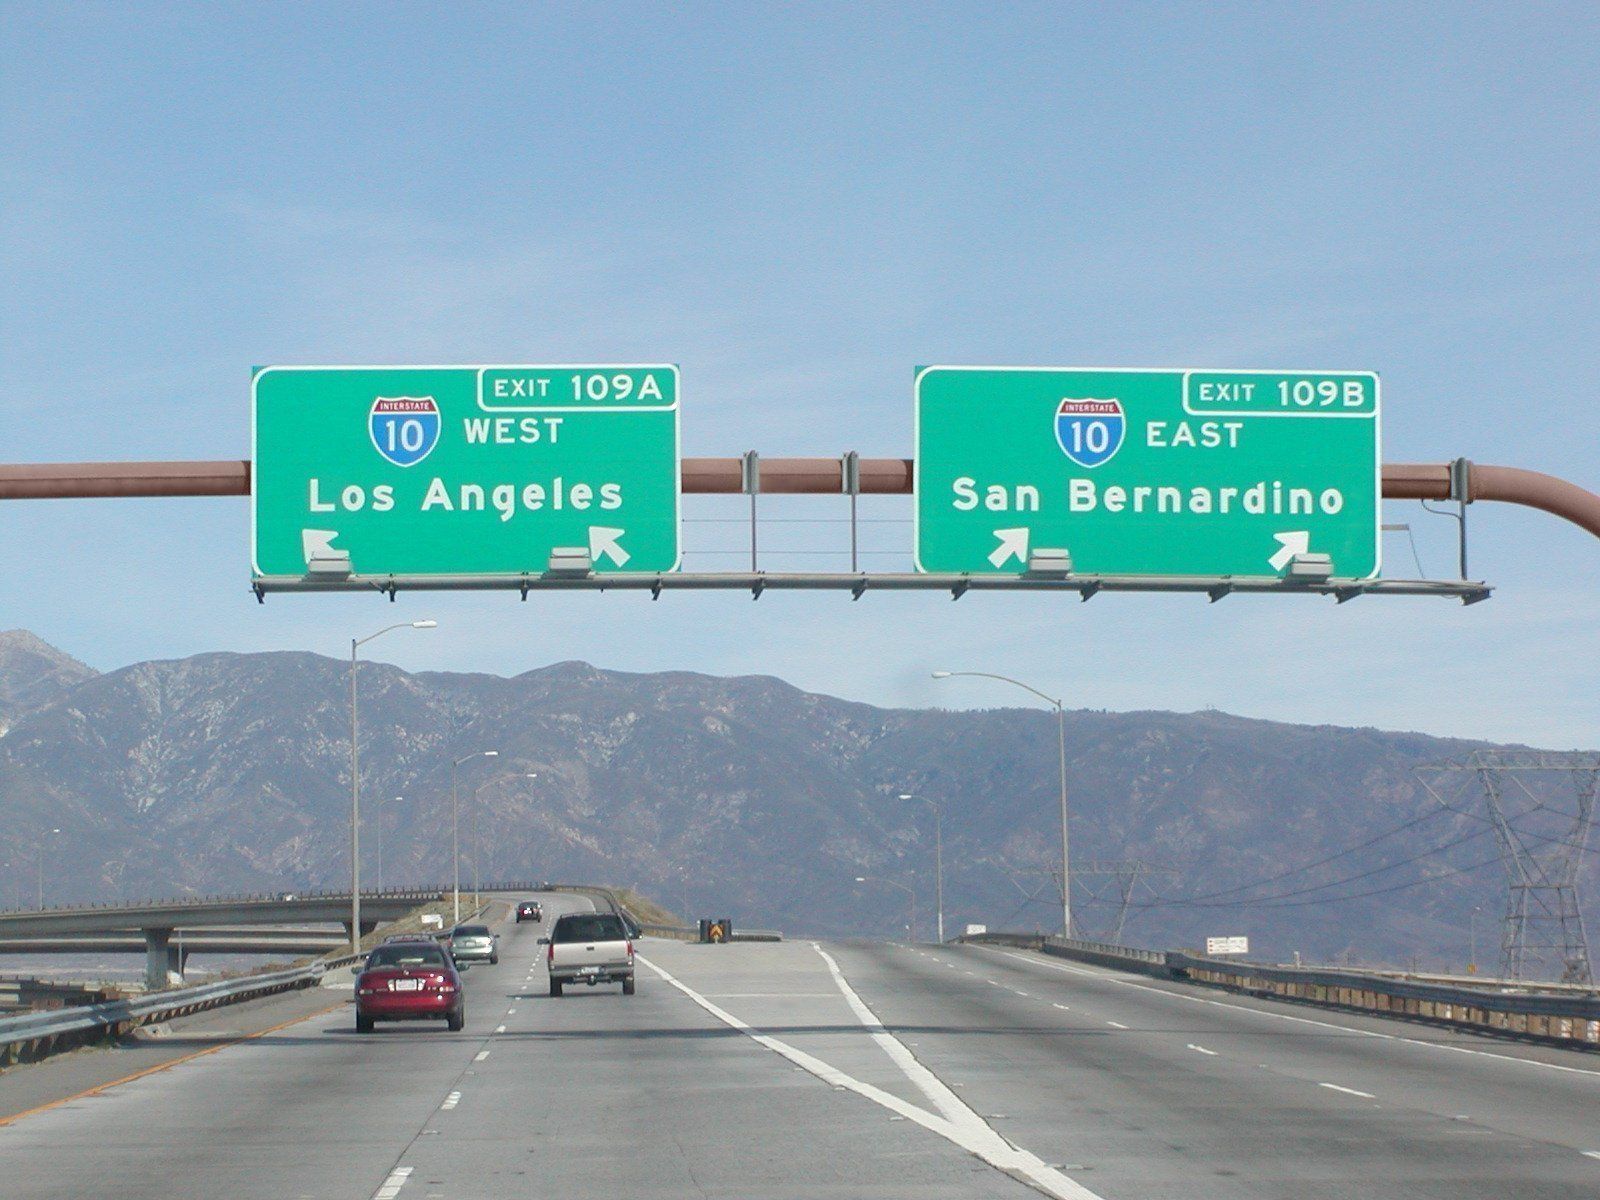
163,962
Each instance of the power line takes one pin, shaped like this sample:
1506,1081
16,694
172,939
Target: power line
1398,887
1198,902
1284,874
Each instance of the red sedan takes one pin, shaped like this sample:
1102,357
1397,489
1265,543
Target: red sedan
409,981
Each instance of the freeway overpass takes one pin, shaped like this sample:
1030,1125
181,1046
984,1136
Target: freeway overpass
166,931
803,1070
294,942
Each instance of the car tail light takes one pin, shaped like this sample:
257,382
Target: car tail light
630,947
550,953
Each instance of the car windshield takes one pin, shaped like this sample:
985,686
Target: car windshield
401,955
597,928
471,931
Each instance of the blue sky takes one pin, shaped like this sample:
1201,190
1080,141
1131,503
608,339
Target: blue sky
797,204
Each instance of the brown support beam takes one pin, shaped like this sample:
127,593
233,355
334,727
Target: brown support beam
779,476
60,481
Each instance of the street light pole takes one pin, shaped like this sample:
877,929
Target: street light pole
1061,742
39,896
455,839
355,782
938,858
911,909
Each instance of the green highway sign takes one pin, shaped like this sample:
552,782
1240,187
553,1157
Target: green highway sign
464,470
1133,472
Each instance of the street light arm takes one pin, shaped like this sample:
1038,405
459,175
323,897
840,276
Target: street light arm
381,632
1003,679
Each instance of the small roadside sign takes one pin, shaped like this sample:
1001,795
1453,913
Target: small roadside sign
1227,945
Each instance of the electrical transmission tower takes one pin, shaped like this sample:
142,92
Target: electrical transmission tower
1542,807
1126,874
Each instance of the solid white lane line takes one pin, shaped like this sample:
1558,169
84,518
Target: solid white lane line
1202,1050
971,1135
929,1084
1334,1087
480,1056
450,1101
1277,1016
392,1185
1116,1025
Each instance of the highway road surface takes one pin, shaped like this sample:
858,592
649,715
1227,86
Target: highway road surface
807,1070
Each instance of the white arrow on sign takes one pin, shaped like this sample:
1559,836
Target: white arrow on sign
1290,544
1013,543
604,541
318,542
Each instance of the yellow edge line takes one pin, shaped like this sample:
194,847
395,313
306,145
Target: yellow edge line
166,1066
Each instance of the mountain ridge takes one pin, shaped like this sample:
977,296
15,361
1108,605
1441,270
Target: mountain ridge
742,795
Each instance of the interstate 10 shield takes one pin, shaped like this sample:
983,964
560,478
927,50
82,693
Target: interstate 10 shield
1090,432
405,429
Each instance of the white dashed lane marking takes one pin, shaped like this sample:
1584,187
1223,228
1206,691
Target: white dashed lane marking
392,1185
450,1101
480,1056
1334,1087
1202,1050
1115,1025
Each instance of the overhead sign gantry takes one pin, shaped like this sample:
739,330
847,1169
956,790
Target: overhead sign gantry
1085,480
1160,473
484,470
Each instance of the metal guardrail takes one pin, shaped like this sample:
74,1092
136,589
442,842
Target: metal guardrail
34,1035
1561,1016
1105,954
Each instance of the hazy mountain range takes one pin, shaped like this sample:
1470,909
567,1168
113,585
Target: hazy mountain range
742,796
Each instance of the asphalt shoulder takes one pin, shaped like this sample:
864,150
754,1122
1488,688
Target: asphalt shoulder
27,1087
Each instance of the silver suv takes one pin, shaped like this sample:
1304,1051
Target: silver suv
474,943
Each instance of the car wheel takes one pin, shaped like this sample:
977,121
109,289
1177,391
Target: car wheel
494,960
627,986
363,1024
456,1021
555,987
